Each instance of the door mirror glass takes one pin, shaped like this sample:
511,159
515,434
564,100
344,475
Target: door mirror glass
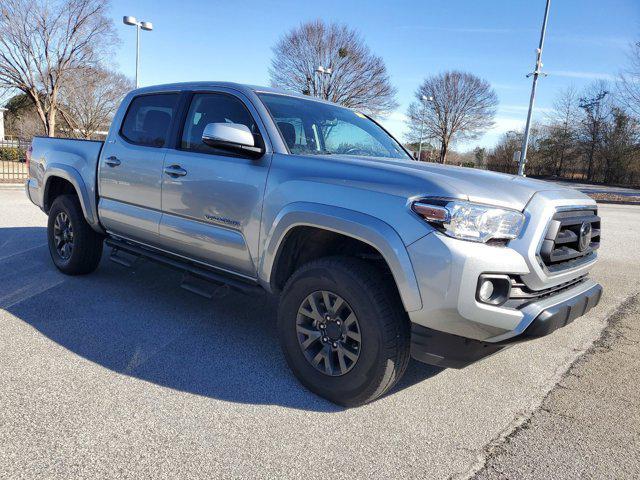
234,137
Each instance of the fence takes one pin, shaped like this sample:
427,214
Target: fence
13,166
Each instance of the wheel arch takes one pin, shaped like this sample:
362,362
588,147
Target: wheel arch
63,179
358,227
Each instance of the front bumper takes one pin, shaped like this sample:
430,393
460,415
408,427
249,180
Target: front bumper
561,314
453,351
447,270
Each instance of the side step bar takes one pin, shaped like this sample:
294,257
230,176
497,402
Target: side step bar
191,269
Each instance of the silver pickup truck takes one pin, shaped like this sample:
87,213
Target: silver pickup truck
376,257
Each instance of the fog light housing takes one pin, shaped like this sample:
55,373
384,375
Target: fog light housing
493,289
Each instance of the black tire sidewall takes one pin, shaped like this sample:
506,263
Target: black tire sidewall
370,367
83,237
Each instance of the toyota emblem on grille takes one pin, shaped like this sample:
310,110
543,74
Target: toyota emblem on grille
585,236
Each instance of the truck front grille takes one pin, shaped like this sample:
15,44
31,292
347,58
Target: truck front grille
571,239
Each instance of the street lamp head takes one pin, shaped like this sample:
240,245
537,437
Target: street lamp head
127,20
324,71
148,26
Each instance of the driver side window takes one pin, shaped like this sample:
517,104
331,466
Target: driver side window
209,108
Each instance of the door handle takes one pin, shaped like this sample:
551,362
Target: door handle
112,161
175,171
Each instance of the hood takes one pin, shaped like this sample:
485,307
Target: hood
482,186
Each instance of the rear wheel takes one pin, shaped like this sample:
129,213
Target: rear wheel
74,246
343,330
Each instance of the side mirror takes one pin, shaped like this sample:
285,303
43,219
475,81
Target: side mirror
233,137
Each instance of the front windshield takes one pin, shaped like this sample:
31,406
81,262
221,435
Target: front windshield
314,128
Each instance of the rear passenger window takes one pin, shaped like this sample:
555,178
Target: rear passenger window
148,119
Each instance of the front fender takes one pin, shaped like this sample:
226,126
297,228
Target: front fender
72,176
360,226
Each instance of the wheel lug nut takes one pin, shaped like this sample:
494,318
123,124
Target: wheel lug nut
325,339
335,345
327,317
338,322
323,326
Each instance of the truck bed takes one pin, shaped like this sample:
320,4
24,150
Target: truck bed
68,158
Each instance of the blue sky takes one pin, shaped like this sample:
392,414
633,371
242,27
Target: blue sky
495,39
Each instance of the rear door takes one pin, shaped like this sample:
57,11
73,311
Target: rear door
130,170
212,206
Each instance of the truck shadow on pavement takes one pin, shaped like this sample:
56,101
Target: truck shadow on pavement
138,322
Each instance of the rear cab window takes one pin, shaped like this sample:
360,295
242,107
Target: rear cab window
148,119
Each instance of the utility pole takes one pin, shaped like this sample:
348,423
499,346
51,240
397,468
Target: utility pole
536,72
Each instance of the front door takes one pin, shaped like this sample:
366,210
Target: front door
211,198
130,171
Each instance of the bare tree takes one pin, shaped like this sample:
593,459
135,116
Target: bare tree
619,149
591,137
44,43
561,129
500,159
458,105
357,78
89,100
629,81
596,108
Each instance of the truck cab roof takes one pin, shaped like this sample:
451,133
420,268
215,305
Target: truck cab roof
240,87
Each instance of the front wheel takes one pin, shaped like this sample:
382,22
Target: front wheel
74,246
343,330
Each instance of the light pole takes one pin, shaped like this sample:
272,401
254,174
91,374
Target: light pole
322,72
536,72
424,99
148,26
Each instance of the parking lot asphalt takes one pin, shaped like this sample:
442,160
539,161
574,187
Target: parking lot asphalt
122,374
589,424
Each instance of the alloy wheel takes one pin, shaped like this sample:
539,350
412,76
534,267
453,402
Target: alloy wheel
63,235
328,333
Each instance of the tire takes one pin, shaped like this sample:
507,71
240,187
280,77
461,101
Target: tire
84,249
382,324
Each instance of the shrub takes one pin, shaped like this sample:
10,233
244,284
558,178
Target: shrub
12,154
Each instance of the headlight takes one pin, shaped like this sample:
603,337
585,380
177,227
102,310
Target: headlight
470,221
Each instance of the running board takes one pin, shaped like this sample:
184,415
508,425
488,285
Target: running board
123,258
200,273
204,288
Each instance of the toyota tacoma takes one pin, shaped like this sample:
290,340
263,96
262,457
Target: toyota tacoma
376,257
